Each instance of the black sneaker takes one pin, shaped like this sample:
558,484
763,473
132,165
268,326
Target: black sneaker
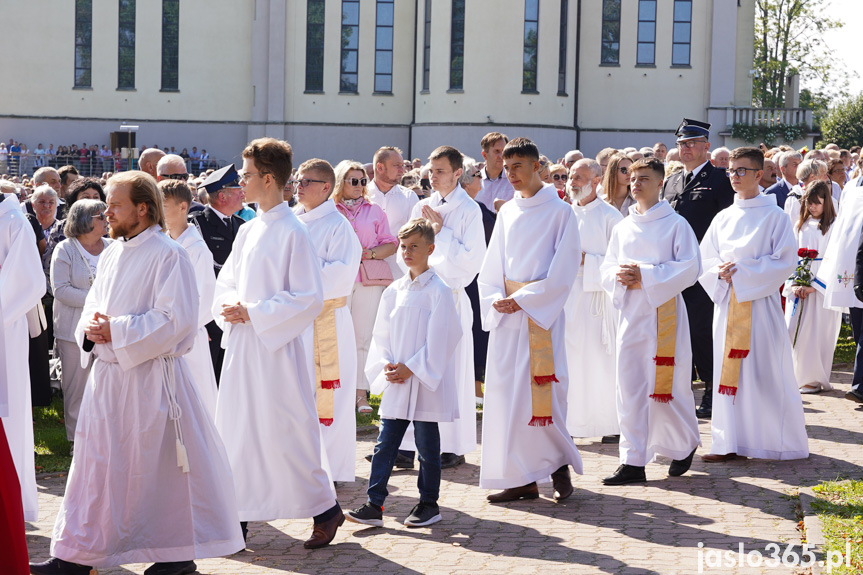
172,568
368,514
854,396
56,566
449,460
402,461
626,474
423,514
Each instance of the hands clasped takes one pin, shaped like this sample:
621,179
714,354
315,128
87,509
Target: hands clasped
235,313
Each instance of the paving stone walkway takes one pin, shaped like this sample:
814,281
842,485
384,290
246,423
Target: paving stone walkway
654,528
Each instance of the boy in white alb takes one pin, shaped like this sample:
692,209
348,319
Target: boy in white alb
411,363
748,252
652,258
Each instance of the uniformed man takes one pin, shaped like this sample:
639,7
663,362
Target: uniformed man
218,224
698,193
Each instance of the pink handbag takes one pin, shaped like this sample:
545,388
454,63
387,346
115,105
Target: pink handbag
375,273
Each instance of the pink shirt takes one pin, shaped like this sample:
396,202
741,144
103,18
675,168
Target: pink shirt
370,224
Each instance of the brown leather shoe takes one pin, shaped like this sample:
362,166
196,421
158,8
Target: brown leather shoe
562,483
528,491
323,533
713,458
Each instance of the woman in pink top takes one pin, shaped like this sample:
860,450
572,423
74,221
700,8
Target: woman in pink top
373,230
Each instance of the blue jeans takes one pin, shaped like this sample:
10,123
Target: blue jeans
857,332
427,438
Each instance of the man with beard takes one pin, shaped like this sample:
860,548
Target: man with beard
590,318
150,480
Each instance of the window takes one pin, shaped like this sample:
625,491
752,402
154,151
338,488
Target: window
83,43
427,46
682,32
456,47
531,42
384,46
350,45
610,49
126,46
561,59
646,32
315,46
170,45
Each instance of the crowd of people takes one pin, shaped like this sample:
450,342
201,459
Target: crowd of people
194,324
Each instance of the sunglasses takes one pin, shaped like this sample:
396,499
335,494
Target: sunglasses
183,177
623,170
354,181
558,177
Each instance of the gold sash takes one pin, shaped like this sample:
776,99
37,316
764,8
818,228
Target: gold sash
738,336
327,358
666,342
541,366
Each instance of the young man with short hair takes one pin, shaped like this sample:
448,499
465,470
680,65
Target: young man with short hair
748,250
524,283
652,257
267,296
411,363
334,369
496,189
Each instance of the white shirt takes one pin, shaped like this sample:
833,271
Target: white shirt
397,204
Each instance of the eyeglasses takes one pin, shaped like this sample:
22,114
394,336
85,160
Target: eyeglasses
690,143
304,183
478,174
838,171
623,170
183,177
244,177
355,181
739,171
558,177
100,216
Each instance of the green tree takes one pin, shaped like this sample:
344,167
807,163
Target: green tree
843,124
789,40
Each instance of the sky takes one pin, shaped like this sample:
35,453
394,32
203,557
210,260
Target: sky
846,42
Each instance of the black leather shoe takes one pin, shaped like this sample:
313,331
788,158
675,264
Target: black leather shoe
626,474
56,566
680,466
528,491
705,410
854,396
404,462
612,439
244,527
562,483
172,568
448,460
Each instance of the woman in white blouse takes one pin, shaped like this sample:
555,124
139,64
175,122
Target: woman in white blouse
73,270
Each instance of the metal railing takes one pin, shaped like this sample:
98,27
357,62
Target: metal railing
768,116
27,164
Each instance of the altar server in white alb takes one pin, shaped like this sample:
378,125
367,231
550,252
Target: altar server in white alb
813,328
591,321
22,285
334,369
268,295
748,253
458,255
525,280
651,259
176,198
150,480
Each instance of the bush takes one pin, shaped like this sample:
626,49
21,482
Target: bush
843,123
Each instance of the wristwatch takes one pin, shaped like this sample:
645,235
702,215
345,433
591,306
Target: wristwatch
373,255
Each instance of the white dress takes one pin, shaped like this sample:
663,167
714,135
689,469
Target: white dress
200,362
515,453
266,411
765,418
664,246
22,285
591,330
127,499
339,253
818,326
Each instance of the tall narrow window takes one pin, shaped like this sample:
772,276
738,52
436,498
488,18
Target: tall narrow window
126,46
350,46
83,43
315,46
531,43
170,45
646,53
610,49
384,46
682,32
456,47
427,46
561,59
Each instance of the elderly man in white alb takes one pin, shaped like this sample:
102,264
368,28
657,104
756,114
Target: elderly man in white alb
591,321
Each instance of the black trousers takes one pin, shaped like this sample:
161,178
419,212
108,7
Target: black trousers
217,354
699,308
